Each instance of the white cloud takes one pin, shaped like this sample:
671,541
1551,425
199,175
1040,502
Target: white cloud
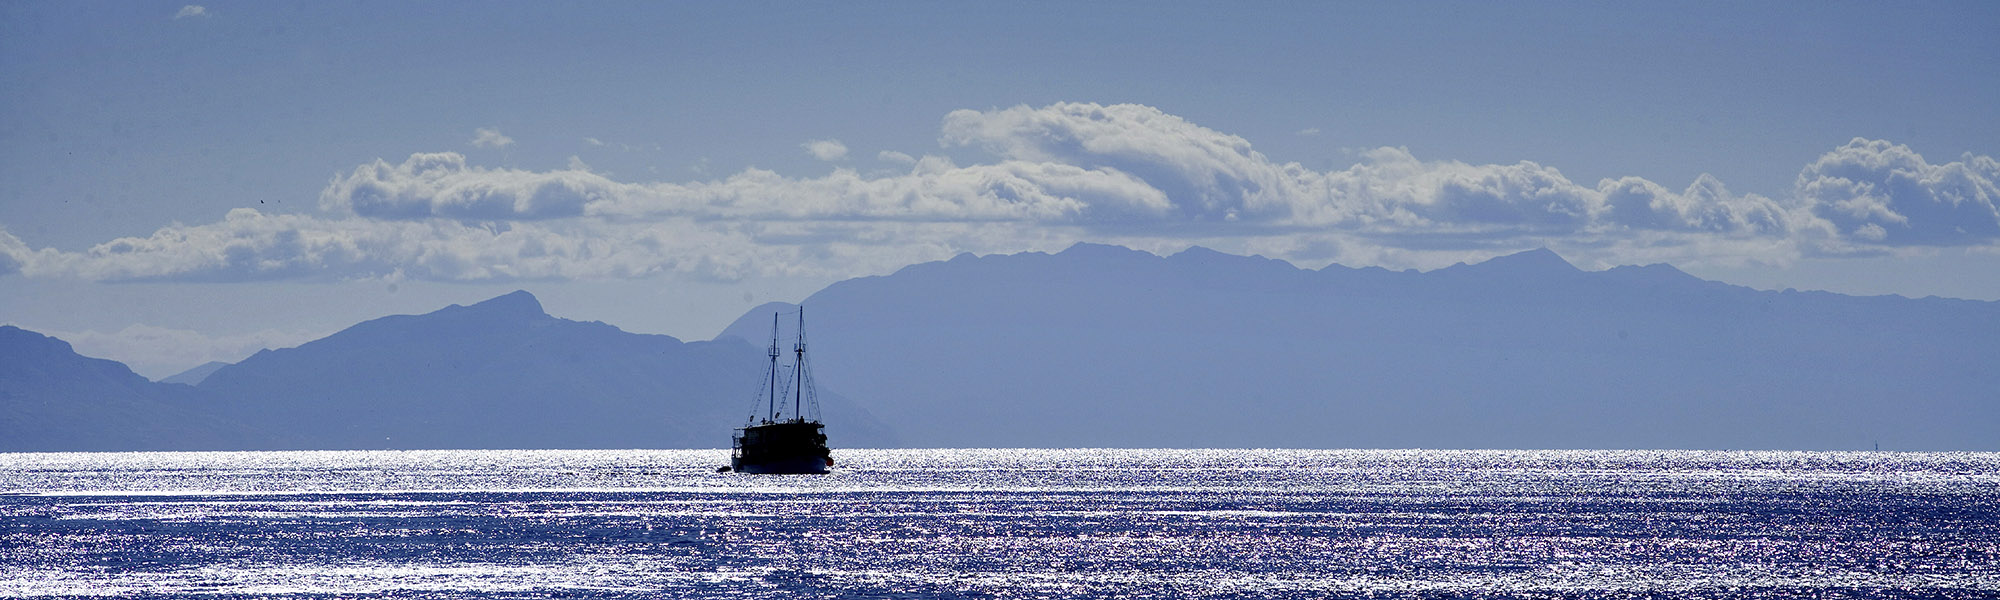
1704,206
442,185
934,190
1069,172
1884,192
593,141
248,246
1216,177
1308,132
191,11
489,137
828,150
1206,173
13,253
895,157
1392,191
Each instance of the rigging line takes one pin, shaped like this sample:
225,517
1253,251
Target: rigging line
812,400
810,387
757,401
784,386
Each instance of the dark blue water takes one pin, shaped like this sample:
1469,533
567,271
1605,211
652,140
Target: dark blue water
1003,524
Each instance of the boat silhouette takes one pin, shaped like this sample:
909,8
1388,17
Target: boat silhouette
780,442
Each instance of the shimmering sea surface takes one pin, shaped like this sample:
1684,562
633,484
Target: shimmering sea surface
1003,524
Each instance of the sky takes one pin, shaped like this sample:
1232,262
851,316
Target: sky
182,183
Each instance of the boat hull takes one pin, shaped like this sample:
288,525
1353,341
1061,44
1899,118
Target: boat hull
796,447
803,465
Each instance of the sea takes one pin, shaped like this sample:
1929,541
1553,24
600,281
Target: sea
917,524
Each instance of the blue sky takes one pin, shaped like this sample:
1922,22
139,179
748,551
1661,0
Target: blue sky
181,183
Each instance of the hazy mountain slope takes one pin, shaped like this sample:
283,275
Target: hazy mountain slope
504,374
1104,346
195,375
52,399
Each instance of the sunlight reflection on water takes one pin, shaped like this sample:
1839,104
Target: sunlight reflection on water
1003,523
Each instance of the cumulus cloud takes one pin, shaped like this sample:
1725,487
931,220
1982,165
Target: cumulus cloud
1206,172
1211,176
13,252
933,190
1391,190
191,11
1707,207
1886,193
828,150
443,185
489,137
1125,174
249,245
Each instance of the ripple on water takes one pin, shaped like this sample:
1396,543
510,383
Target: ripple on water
1003,523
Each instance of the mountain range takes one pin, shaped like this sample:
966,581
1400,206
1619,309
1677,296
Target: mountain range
496,374
54,400
1101,346
1106,346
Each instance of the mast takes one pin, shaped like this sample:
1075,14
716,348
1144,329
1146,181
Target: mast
799,364
771,412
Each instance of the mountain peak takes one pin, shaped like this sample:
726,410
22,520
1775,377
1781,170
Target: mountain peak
1539,260
517,302
1657,273
15,337
1200,252
25,354
1081,249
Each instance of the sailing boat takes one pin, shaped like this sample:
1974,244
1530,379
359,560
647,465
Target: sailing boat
779,442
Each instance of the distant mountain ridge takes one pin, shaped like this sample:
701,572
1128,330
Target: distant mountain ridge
497,374
504,374
54,400
1106,346
1103,346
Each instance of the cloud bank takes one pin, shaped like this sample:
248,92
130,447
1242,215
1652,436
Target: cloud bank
1885,193
1054,175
